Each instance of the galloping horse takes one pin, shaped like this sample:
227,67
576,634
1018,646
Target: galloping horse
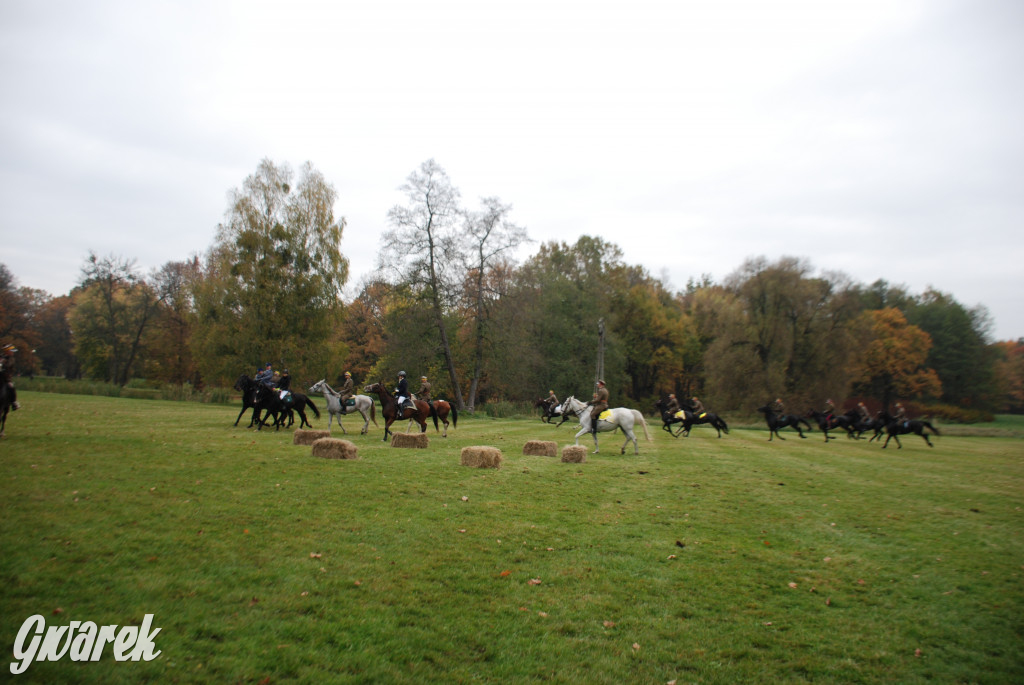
862,425
362,404
549,412
775,422
620,417
837,421
895,428
689,419
269,399
389,409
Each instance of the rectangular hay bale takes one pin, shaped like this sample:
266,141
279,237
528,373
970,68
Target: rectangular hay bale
541,448
334,448
574,454
481,457
308,437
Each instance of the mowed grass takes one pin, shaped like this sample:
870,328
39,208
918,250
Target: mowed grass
701,560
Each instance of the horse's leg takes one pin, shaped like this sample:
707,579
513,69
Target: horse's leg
925,436
240,414
366,422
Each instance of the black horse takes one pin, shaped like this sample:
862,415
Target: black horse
690,419
6,399
548,412
862,425
894,429
269,400
828,422
248,387
777,421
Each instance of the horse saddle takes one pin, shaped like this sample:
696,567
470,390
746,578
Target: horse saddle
350,402
680,414
606,415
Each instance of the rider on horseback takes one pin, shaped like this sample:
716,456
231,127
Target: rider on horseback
284,383
899,414
424,392
672,406
599,404
697,407
829,411
266,376
402,391
551,401
346,393
6,369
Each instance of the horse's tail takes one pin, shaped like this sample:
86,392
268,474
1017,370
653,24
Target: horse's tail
455,416
934,429
804,421
723,425
639,416
433,414
373,412
312,405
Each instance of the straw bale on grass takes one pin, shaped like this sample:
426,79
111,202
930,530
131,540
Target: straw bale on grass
541,448
308,437
419,440
481,457
574,454
334,448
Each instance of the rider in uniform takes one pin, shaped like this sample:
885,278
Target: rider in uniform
672,406
697,406
599,404
424,392
347,392
402,391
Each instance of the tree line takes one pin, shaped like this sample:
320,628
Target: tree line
448,300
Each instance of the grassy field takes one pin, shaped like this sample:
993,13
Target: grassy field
701,560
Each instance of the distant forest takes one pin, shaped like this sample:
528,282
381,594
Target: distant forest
449,303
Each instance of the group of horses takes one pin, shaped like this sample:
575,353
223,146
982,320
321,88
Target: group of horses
267,402
851,422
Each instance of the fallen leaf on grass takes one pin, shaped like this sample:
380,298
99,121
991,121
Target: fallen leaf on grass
505,573
917,652
315,555
533,581
792,585
542,614
636,646
609,624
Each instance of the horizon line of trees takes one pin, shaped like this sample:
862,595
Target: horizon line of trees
448,301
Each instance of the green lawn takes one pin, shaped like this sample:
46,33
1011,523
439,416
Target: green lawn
701,560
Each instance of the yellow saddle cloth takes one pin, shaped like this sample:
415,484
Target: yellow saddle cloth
606,415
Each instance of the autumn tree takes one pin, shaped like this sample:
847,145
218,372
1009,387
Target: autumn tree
1009,372
272,280
169,357
111,312
420,250
893,364
491,236
959,353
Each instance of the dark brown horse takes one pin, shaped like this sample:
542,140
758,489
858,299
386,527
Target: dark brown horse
441,409
389,410
548,412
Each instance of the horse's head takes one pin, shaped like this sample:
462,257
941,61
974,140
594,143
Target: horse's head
242,383
373,387
318,386
766,410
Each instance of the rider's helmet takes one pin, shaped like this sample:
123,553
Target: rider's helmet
402,374
348,375
694,398
423,378
600,382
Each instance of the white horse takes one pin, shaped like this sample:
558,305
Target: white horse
621,417
363,404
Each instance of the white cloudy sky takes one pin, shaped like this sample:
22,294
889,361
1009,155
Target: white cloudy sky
880,138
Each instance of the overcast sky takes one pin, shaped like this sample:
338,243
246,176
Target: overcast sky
883,139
